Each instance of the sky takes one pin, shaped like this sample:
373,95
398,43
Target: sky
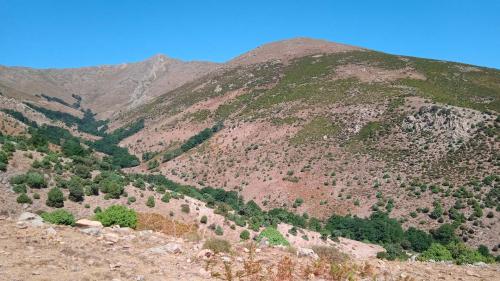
61,34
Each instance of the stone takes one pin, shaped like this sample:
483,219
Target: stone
85,223
50,231
111,238
306,252
471,273
171,248
264,243
91,231
205,254
30,219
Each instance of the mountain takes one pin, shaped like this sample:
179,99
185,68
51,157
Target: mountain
315,134
106,89
330,128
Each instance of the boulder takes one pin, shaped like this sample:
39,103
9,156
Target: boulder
171,248
111,238
85,223
30,219
95,231
306,252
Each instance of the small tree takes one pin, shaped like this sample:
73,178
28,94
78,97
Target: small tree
245,235
204,219
23,198
150,202
76,193
55,198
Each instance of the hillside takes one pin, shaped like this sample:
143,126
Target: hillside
343,131
302,145
106,90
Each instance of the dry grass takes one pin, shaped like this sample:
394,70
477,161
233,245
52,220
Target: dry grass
159,223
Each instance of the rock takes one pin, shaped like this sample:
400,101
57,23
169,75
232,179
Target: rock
205,254
139,278
226,259
171,248
264,243
246,250
91,231
471,273
30,219
111,238
85,223
50,231
306,252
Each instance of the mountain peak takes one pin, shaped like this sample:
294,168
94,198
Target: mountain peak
288,49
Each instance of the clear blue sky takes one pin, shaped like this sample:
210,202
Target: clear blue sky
92,32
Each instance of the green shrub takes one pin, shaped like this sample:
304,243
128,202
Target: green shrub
76,193
55,198
273,236
20,188
462,254
97,210
392,252
23,198
185,208
219,230
436,252
445,234
32,179
217,245
204,219
36,196
118,215
131,200
59,217
245,235
419,240
150,202
166,197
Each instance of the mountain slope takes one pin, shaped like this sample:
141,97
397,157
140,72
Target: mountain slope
103,89
338,132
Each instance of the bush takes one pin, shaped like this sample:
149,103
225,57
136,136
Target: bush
217,245
166,197
59,217
219,230
150,202
392,252
204,219
36,196
32,179
436,252
273,236
445,234
118,215
20,188
462,254
131,200
245,235
75,193
97,210
330,254
419,240
55,198
185,208
23,198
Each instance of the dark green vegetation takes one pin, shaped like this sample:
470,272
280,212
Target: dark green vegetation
87,124
72,146
192,142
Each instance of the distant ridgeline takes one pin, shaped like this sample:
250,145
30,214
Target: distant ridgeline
108,144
